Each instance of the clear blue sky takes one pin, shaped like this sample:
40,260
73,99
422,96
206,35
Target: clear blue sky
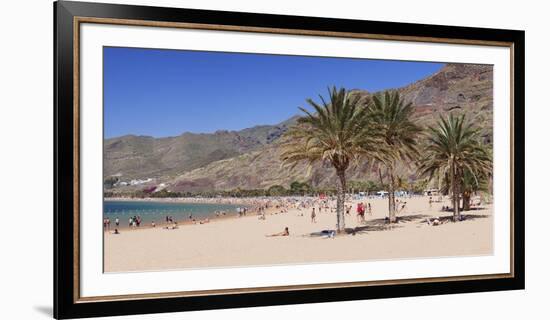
167,92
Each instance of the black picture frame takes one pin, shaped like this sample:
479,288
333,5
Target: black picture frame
66,303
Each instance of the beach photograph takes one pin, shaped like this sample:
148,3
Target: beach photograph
227,159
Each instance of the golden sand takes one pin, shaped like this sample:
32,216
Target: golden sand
243,242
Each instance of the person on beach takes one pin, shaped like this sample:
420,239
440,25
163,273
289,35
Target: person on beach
434,222
284,233
403,207
369,208
117,222
153,224
130,222
348,208
328,233
172,226
360,212
116,231
313,215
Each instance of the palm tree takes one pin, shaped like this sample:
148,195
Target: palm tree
454,149
393,120
470,184
336,133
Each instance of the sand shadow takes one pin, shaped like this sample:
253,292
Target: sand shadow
463,217
450,209
372,226
474,209
382,224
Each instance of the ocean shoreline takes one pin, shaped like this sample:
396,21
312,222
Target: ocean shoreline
251,204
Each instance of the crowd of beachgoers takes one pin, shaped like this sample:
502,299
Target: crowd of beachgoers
356,205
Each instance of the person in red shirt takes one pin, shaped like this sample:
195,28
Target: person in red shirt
360,212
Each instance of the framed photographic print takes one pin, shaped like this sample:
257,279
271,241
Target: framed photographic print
208,160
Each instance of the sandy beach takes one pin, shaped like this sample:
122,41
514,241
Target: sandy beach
242,241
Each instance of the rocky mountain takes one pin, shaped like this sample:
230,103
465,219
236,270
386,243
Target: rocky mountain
249,159
137,157
456,87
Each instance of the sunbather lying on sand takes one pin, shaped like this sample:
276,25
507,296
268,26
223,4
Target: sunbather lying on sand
280,234
328,233
434,222
172,226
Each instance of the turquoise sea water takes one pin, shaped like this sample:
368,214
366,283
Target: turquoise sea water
157,211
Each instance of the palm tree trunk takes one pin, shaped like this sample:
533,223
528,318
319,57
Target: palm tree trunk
340,199
455,196
391,196
380,177
466,201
